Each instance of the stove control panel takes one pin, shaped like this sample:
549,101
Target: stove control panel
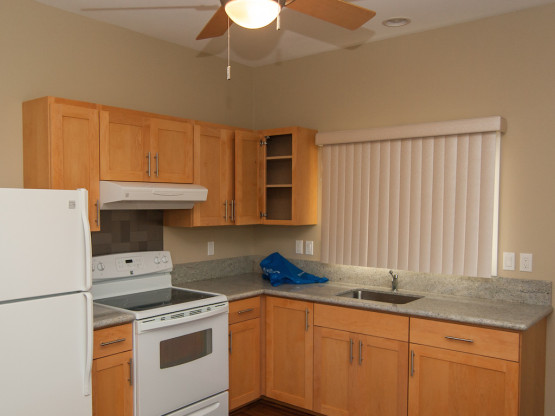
112,266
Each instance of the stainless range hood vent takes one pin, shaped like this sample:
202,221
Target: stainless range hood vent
145,195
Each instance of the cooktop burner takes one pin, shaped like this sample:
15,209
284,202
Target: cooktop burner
154,299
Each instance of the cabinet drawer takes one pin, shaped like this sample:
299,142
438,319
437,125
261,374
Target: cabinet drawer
363,322
112,340
459,337
243,310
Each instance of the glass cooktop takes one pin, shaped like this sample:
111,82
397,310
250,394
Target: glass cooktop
153,299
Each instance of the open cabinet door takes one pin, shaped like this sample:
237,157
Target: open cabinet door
249,178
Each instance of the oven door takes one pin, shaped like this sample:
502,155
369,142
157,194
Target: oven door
180,363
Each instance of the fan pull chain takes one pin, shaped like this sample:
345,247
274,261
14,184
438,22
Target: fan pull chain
228,51
279,21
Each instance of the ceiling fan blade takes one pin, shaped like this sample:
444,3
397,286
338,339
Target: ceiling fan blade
105,9
338,12
216,26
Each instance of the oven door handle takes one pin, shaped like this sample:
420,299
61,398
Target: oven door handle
176,318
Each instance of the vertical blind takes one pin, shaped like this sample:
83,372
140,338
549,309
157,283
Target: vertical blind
425,203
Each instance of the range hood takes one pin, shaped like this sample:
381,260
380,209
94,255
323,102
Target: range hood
145,195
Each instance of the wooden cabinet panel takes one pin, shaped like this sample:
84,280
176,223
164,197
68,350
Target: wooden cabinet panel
60,148
244,362
476,340
289,351
248,156
451,383
171,146
124,145
357,374
361,321
112,389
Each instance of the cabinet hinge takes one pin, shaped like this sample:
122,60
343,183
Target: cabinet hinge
263,215
263,142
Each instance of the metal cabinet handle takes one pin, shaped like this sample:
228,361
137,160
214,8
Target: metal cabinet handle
460,339
411,363
232,210
148,157
130,379
306,319
245,311
157,157
359,352
97,221
225,216
104,344
230,342
351,350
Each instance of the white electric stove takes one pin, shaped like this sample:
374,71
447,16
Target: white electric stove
180,336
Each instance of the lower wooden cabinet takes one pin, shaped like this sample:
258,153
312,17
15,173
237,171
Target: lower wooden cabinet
358,374
289,351
244,352
112,377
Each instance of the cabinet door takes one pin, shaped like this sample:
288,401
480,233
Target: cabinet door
452,383
171,147
74,153
380,382
244,362
124,146
248,174
289,345
112,387
333,371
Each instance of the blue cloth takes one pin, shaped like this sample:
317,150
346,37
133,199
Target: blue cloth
278,271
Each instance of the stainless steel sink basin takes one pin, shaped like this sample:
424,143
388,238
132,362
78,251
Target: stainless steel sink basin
379,296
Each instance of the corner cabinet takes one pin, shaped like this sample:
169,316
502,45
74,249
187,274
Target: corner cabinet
112,376
61,148
137,146
244,352
289,351
290,176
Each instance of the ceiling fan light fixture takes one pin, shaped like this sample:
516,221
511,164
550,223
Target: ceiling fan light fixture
252,14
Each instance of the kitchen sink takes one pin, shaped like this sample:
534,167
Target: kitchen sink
379,296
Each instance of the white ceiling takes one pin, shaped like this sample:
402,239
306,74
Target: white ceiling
300,35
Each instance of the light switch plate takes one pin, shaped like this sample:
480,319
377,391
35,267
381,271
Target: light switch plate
309,248
210,248
508,261
299,247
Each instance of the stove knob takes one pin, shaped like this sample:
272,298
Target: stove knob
164,259
100,267
156,260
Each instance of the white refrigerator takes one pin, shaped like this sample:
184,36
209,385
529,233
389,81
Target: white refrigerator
45,307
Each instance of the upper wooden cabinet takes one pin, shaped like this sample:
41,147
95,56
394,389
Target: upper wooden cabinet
290,176
60,148
136,146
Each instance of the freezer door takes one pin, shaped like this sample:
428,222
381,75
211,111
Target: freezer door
44,243
46,356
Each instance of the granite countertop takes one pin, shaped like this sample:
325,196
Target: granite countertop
488,312
105,317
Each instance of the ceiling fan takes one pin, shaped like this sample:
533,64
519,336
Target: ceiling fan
337,12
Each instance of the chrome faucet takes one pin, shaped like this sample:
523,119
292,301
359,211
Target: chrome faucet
394,281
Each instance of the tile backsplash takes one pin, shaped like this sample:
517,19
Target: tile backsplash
128,231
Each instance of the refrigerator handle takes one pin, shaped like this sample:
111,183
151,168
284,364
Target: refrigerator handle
87,237
88,343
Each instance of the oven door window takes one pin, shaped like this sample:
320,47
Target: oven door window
186,348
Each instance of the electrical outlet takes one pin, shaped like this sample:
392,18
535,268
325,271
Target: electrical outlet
309,248
508,261
210,248
525,262
299,247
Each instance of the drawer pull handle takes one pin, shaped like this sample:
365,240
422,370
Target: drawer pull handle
460,339
104,344
245,311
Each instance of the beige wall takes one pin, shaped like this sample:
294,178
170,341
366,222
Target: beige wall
499,66
502,65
